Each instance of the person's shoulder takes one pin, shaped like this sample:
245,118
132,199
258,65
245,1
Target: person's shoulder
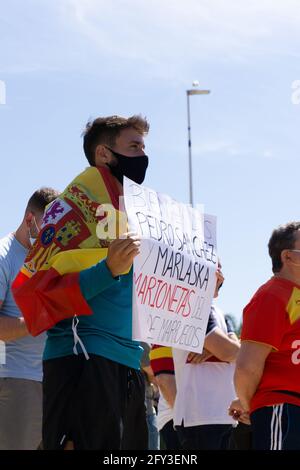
277,288
87,173
216,311
268,289
6,255
5,246
269,296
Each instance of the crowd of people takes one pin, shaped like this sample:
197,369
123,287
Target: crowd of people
72,376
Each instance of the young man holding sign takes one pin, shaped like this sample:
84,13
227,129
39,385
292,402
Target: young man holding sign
93,388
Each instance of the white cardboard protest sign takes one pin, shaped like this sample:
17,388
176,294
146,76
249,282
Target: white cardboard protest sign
174,274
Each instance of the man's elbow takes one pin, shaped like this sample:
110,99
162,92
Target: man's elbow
241,370
245,372
230,353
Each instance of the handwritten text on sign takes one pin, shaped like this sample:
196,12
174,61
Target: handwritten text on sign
174,275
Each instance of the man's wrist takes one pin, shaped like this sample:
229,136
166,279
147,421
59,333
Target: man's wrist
245,404
113,274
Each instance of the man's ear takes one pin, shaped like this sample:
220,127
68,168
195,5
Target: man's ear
28,218
284,256
102,155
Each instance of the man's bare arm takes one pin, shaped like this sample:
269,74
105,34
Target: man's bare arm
222,346
167,386
11,328
249,369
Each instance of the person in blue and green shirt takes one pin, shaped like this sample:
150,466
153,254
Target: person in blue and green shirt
93,388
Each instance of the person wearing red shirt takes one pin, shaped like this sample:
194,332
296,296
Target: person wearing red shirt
267,375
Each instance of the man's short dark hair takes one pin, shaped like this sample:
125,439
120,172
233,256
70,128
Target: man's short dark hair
105,130
40,199
282,238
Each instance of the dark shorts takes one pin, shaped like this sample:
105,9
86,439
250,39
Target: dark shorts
276,427
97,403
170,437
241,437
205,437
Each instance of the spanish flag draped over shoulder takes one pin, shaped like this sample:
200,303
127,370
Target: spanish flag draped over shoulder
47,288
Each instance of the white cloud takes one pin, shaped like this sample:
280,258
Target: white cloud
216,146
2,92
221,147
166,38
192,29
267,153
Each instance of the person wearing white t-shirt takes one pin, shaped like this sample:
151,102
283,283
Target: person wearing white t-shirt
163,368
205,387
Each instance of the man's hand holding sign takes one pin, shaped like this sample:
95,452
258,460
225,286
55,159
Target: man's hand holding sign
174,274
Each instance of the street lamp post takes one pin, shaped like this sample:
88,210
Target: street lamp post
194,91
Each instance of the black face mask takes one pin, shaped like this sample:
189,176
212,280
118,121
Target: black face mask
132,167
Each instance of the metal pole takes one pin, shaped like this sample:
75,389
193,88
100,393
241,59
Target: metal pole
190,149
188,93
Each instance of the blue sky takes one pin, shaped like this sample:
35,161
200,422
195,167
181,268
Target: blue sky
64,61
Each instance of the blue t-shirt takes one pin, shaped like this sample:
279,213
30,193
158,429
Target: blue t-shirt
21,358
108,331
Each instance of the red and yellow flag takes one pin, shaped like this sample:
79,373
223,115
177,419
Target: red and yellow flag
47,287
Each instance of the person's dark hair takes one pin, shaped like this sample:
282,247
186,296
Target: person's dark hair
41,198
105,130
282,238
